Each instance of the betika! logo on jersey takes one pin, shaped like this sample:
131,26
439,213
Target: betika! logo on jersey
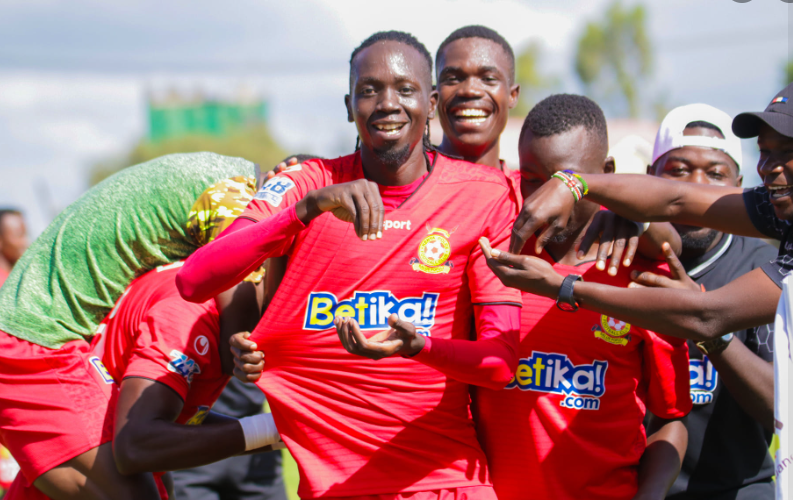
434,252
580,385
371,310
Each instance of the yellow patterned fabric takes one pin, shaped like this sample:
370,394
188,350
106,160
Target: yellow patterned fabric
217,207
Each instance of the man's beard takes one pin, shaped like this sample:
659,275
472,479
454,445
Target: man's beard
393,156
696,242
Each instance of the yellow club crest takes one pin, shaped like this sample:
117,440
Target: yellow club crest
612,330
434,252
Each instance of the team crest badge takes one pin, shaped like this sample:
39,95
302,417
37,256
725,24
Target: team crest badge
612,330
434,252
200,416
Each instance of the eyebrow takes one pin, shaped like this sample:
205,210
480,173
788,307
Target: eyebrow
482,69
687,161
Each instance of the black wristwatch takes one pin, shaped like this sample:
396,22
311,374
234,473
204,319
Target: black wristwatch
715,346
565,301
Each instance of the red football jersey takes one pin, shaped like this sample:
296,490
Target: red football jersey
569,425
153,333
357,426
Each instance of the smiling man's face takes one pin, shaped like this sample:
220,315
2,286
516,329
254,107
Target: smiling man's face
775,167
476,92
390,99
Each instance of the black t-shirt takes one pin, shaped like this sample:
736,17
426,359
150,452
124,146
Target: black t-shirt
727,448
239,400
761,212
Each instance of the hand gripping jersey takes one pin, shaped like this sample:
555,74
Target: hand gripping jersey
569,425
357,426
152,333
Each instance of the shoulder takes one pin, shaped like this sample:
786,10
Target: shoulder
334,170
754,248
460,171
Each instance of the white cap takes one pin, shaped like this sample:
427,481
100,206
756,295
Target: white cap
670,134
631,155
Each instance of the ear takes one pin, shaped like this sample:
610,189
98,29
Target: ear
433,103
739,181
609,167
348,105
514,94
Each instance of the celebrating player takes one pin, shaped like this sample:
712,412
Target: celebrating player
53,401
569,425
400,425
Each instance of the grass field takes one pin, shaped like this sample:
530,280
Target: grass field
291,477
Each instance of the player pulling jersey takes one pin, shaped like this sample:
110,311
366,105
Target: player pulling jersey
569,425
356,426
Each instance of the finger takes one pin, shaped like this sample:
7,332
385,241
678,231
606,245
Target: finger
547,235
650,279
675,266
240,341
592,235
292,161
251,357
521,231
400,325
278,168
484,244
618,248
341,331
606,243
374,212
246,377
630,251
270,175
378,209
508,259
348,205
362,209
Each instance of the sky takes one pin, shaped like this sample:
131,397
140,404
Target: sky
74,75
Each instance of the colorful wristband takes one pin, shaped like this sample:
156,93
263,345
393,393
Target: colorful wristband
581,179
569,181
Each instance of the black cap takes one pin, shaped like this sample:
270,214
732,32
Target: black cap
778,115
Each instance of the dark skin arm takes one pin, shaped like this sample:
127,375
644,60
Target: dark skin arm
636,197
240,310
679,313
147,439
661,461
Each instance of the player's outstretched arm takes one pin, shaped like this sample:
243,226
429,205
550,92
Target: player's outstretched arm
640,198
744,303
660,464
147,439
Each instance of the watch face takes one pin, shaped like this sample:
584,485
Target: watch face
564,306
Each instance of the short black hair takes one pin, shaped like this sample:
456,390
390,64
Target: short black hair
301,157
477,31
704,124
393,36
562,112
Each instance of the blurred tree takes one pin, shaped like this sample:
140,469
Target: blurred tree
533,83
254,144
614,56
787,72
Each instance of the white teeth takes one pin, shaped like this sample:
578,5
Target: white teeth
391,127
777,188
471,112
473,121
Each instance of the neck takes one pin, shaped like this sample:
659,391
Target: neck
387,175
5,264
565,252
487,156
688,254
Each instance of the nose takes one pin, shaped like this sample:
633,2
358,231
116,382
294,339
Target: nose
698,177
769,165
471,88
389,101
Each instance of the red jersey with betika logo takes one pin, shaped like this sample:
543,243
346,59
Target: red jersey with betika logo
153,333
357,426
569,424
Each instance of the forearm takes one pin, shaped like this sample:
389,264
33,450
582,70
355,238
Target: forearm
241,249
661,461
240,310
489,361
161,445
750,380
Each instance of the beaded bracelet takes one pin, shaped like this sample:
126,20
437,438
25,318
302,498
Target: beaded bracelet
583,182
571,184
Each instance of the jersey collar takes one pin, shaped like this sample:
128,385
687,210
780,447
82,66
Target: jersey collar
696,267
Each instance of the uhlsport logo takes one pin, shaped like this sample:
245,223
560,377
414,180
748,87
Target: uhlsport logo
434,252
183,365
612,330
101,369
581,386
273,190
703,379
371,310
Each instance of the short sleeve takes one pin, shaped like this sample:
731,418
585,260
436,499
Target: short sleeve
287,188
761,213
485,286
760,340
666,372
174,344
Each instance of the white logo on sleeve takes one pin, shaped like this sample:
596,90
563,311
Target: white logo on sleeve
273,190
183,365
201,345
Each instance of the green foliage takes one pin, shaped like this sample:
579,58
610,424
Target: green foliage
787,72
533,83
254,144
614,56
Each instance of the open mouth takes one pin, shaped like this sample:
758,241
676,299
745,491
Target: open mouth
471,116
777,192
389,129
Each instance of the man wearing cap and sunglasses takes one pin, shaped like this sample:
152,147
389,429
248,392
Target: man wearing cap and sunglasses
732,379
751,300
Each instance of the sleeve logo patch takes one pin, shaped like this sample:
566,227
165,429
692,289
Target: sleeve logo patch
580,386
183,365
201,345
101,369
273,190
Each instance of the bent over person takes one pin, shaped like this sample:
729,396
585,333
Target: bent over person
380,240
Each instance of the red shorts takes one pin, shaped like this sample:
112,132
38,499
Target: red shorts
19,490
55,404
466,493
